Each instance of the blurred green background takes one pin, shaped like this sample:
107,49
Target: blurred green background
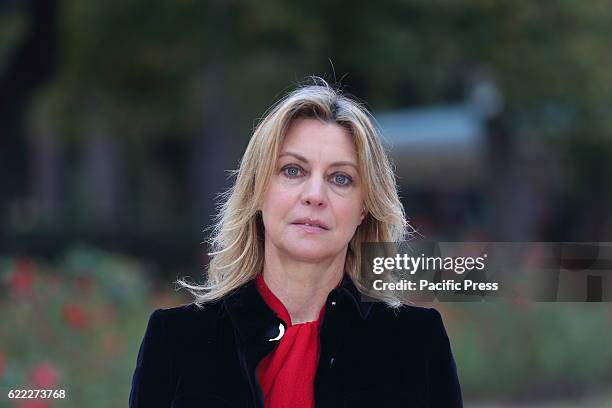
120,119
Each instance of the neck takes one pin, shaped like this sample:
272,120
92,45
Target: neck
301,286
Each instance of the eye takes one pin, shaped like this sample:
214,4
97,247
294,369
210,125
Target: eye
291,171
341,179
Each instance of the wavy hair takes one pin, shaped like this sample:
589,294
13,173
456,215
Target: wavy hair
237,239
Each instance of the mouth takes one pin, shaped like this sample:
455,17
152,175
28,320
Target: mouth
310,228
311,225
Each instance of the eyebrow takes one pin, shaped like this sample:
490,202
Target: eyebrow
334,164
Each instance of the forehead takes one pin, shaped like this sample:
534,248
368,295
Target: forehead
315,139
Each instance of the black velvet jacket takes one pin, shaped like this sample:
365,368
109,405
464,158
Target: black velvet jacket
371,355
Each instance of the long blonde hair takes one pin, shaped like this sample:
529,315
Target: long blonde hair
237,239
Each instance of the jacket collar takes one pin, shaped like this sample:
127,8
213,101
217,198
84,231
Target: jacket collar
352,294
255,321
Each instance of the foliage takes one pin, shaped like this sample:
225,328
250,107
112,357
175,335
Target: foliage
143,64
531,351
75,325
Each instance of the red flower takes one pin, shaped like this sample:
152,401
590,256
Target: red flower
23,278
44,376
75,316
35,404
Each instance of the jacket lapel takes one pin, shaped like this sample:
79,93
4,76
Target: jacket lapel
254,324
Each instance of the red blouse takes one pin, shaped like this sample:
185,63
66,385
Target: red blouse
287,374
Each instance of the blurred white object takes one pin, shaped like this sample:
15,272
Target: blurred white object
440,146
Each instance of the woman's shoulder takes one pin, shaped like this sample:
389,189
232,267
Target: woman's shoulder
173,319
410,318
405,311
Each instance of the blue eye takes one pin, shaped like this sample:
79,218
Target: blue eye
342,180
291,171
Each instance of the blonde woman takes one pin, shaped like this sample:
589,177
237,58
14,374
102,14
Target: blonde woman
280,320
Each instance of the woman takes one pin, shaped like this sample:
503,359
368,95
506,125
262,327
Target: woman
280,320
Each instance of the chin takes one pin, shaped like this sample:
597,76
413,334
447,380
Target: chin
309,253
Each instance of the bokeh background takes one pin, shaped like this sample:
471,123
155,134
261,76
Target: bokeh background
120,119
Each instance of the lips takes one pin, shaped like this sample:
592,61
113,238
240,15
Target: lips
310,222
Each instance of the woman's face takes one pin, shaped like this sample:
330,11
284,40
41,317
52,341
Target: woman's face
314,201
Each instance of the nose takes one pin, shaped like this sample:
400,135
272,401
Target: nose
314,192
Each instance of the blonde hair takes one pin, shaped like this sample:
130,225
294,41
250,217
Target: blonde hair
237,239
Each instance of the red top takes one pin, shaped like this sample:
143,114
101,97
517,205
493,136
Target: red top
287,374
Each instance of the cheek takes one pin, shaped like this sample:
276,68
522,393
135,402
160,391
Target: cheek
277,202
349,214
